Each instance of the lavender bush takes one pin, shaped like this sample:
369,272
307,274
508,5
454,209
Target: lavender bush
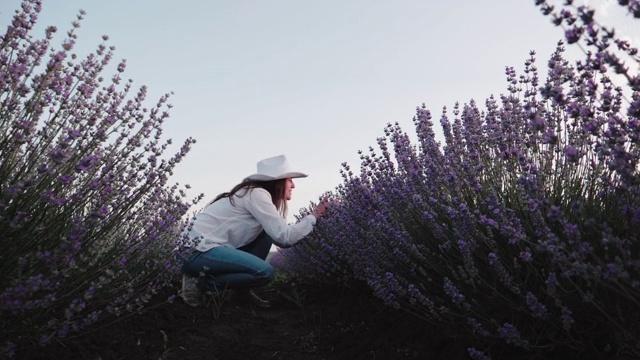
521,230
87,216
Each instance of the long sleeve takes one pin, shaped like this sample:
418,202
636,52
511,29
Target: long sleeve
260,205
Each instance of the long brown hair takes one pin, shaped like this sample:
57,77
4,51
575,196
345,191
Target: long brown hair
274,187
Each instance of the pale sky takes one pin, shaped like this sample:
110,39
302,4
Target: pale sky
315,80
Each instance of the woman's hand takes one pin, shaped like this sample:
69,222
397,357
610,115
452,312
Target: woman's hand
323,206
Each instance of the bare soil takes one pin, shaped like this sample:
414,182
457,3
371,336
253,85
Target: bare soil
307,322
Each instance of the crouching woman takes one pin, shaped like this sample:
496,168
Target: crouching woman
233,234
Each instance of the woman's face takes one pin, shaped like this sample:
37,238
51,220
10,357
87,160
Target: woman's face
288,188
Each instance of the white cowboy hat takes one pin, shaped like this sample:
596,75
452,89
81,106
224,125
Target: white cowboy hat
274,168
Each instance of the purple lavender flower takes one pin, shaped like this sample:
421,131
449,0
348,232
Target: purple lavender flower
86,163
567,319
525,256
573,35
510,334
493,258
535,307
477,327
477,354
572,154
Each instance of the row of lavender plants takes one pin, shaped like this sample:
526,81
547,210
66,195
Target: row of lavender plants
87,215
521,230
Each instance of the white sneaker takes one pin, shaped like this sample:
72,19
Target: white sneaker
190,292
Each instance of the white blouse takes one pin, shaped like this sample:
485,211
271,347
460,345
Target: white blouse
235,225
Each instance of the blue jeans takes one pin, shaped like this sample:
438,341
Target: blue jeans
229,268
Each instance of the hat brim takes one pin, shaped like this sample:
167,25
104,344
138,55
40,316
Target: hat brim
262,177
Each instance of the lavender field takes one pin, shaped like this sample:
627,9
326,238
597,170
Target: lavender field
518,231
521,229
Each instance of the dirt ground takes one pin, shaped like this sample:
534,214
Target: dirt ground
303,323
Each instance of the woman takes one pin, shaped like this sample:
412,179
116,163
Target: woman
233,234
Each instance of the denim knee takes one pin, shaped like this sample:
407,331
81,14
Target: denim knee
266,274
